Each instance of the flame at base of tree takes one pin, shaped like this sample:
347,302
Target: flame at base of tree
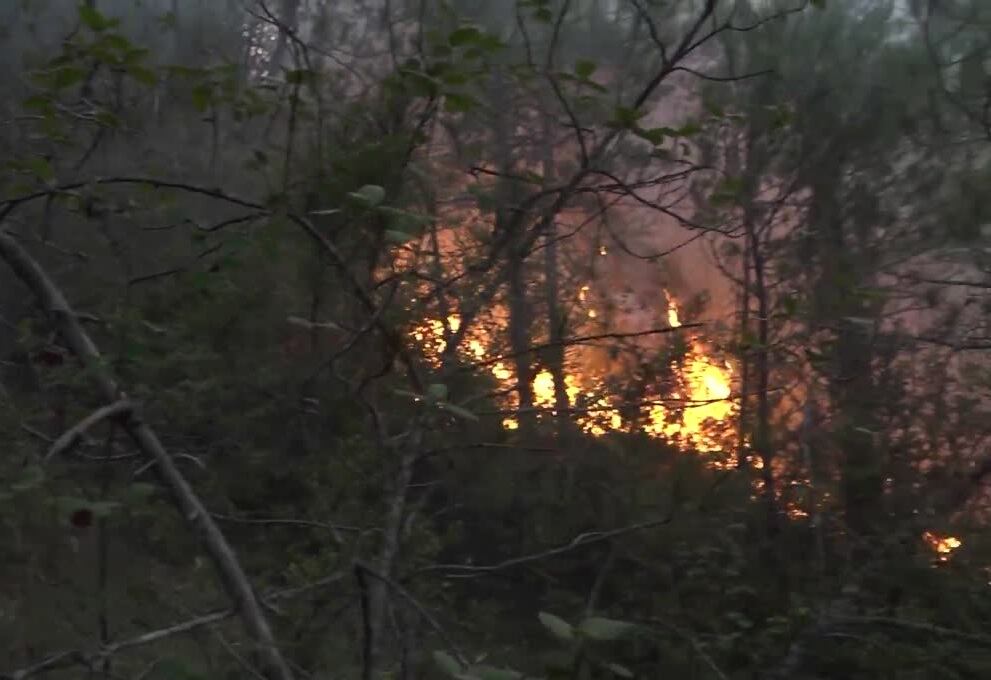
696,414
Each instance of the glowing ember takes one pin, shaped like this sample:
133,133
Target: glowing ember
942,545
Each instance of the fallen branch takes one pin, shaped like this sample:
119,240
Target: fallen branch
580,541
75,434
232,575
92,659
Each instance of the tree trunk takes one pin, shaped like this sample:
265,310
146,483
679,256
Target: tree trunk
852,388
555,319
520,321
520,317
288,16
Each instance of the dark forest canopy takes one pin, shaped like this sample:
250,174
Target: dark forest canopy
495,339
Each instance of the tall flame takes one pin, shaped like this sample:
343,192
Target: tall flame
707,391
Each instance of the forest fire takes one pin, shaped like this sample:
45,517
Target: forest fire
702,387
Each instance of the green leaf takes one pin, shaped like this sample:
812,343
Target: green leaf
67,75
490,43
727,191
558,626
70,504
370,194
454,77
458,410
31,477
656,135
420,83
458,102
620,671
138,492
176,669
168,20
103,508
40,167
142,74
299,76
483,672
436,392
39,103
404,218
447,663
585,68
543,15
598,628
625,117
714,109
464,36
398,237
202,95
107,118
94,19
116,43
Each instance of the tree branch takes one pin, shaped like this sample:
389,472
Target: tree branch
232,575
90,659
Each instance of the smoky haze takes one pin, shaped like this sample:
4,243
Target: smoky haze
495,339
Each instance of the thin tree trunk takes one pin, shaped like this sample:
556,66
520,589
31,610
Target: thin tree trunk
520,321
555,319
762,424
378,590
762,429
520,317
851,383
289,18
743,429
743,417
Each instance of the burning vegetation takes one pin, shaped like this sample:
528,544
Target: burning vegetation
702,386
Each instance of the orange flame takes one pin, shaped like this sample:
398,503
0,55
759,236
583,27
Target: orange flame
705,387
708,387
942,545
